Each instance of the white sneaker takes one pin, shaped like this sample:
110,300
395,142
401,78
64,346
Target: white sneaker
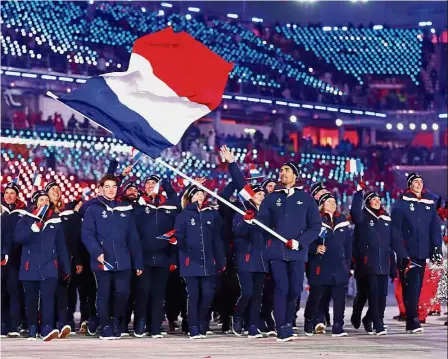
343,334
415,331
157,336
384,332
196,337
12,335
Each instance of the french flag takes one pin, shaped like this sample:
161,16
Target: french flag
136,155
168,235
41,212
86,192
246,193
172,81
354,166
37,180
106,266
254,173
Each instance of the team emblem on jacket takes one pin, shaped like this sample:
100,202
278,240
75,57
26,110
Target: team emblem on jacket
411,206
193,223
208,222
371,223
168,211
65,219
147,210
299,202
51,226
427,207
123,215
104,214
279,202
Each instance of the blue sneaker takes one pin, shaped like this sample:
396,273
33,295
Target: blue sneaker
254,332
49,333
140,328
92,325
237,326
107,333
194,333
32,332
283,334
116,328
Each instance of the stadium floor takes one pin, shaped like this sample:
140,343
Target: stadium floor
431,344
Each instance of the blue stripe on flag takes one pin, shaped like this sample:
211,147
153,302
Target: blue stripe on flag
98,102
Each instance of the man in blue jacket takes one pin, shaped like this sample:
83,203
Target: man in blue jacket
110,235
293,214
416,236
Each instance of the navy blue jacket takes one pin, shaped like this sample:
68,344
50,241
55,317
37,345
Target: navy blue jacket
294,217
333,267
72,222
9,219
199,239
249,245
416,227
374,240
155,219
44,252
109,228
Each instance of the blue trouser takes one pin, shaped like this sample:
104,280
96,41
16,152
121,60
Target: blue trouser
11,297
151,287
85,282
62,302
377,292
412,286
317,292
362,294
288,279
47,289
268,304
200,291
322,308
251,285
105,281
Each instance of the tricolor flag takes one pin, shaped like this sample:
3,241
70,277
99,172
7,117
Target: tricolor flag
16,180
246,193
86,192
136,155
37,180
168,235
156,188
106,266
172,80
41,211
354,166
253,173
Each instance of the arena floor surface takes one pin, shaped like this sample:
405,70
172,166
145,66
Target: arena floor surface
431,344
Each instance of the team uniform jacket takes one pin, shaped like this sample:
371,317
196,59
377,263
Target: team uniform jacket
294,214
416,230
374,240
333,267
72,222
154,219
44,251
109,228
11,215
199,239
249,245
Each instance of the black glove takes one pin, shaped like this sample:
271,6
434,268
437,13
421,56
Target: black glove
405,262
436,256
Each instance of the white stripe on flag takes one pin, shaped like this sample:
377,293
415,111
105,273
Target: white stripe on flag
141,91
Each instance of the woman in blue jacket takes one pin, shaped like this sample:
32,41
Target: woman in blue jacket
110,235
373,253
328,269
251,266
41,234
201,256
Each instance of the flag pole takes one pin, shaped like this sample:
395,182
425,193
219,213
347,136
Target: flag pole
219,198
175,170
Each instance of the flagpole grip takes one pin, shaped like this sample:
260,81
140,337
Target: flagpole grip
218,197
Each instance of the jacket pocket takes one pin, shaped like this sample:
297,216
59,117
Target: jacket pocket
247,257
318,270
187,261
27,265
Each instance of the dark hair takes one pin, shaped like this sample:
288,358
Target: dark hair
108,177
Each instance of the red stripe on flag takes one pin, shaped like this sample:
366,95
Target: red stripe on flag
187,66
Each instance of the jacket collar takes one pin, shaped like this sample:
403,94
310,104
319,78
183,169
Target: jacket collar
205,207
410,196
382,214
289,191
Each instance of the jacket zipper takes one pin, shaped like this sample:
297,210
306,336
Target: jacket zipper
202,241
157,228
281,246
115,254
